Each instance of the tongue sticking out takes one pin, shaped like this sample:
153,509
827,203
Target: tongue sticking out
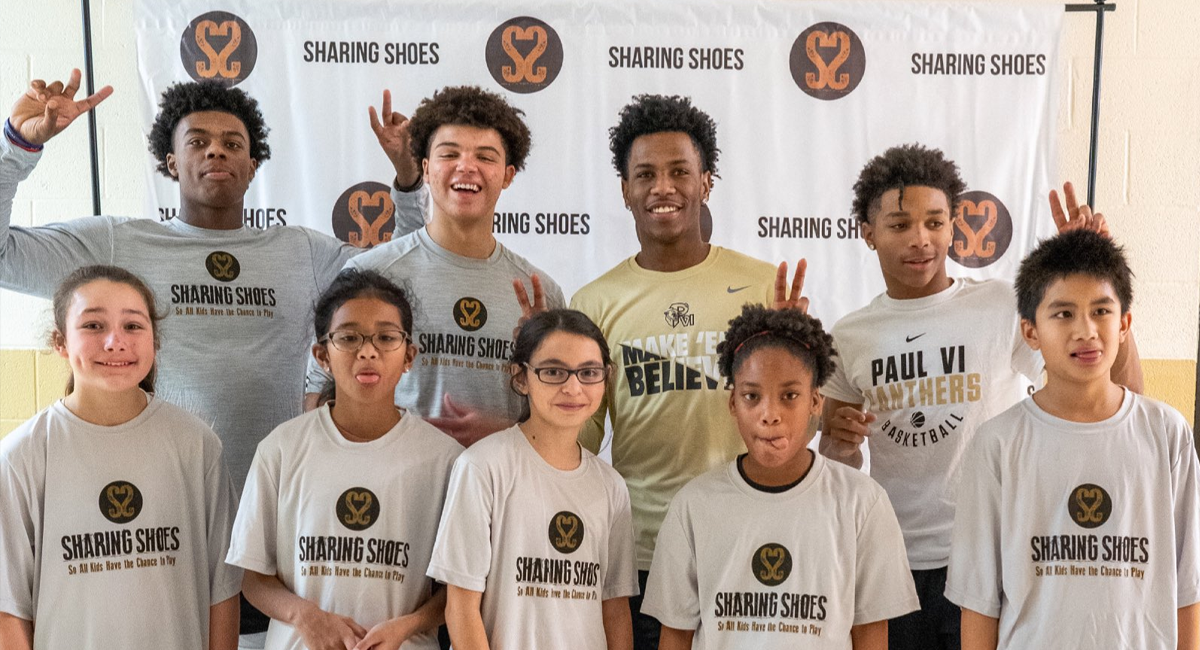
367,378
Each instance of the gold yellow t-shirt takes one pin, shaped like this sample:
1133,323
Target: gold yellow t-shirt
667,400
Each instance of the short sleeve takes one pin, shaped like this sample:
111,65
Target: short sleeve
975,579
673,589
18,537
253,542
224,580
1187,519
462,553
883,584
620,577
838,385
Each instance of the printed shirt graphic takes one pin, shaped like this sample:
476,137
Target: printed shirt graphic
545,546
667,401
105,528
464,314
796,569
1092,528
348,526
239,302
931,370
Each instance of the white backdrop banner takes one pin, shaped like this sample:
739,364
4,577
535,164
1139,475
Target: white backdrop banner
803,93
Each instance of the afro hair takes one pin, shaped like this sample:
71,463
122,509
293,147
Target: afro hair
909,165
791,329
183,99
648,114
470,106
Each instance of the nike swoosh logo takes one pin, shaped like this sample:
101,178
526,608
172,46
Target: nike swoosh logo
910,339
732,290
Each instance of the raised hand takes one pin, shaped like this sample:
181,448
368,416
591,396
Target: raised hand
1076,216
528,309
391,129
46,109
785,300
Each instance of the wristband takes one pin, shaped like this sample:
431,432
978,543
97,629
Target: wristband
411,188
16,139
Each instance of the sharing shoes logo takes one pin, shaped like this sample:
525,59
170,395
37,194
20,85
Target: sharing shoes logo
983,230
1089,506
364,215
524,54
357,509
828,61
218,45
222,266
120,502
566,532
771,564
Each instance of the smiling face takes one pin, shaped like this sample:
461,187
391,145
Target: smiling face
108,337
912,232
665,187
368,374
211,160
568,405
1078,330
773,400
466,170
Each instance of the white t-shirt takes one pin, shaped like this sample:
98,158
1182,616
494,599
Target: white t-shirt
931,370
746,568
113,537
545,546
346,525
1080,535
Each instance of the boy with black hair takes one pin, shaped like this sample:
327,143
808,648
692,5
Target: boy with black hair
1078,522
469,144
924,364
240,375
663,312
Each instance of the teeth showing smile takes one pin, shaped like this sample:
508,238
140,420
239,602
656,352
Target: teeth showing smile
663,209
469,187
116,364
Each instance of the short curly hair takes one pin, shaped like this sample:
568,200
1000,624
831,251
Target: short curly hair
470,106
183,99
1075,252
759,327
648,114
909,165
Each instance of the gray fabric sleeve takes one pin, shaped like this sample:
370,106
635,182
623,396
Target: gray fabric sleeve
411,210
34,260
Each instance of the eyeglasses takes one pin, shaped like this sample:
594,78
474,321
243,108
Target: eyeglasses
553,375
351,341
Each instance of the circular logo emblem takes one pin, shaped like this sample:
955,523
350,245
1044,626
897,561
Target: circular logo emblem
218,45
222,266
524,54
983,229
357,508
364,215
1089,505
120,502
566,532
828,61
917,420
470,314
771,564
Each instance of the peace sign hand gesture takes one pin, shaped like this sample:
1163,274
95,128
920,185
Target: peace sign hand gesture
528,309
46,109
793,300
1076,216
391,129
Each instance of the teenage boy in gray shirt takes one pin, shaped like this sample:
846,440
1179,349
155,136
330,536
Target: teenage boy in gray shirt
238,299
469,144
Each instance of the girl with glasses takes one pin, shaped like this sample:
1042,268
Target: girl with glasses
338,517
115,506
536,540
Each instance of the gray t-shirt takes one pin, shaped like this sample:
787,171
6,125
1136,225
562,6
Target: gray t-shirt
115,537
238,302
464,312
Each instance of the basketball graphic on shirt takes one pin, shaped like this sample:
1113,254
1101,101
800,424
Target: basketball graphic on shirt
218,46
120,502
470,314
771,564
1089,505
566,532
357,508
222,266
917,420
